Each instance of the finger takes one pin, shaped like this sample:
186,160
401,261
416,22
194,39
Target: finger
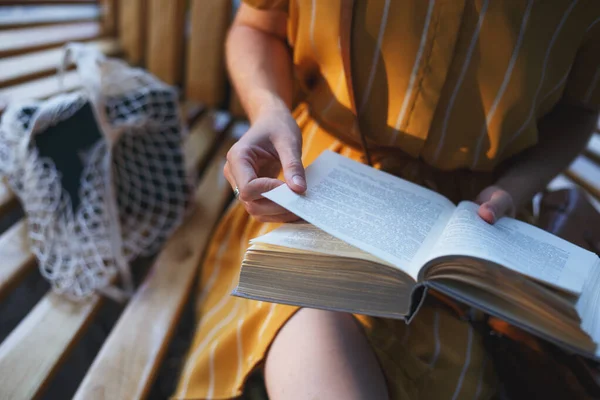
282,218
264,207
499,205
254,190
290,155
487,213
240,167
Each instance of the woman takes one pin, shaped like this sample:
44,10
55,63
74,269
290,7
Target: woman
476,99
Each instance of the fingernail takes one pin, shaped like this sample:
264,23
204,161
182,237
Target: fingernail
298,180
493,214
491,210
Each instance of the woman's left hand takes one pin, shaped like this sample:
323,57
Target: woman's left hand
495,203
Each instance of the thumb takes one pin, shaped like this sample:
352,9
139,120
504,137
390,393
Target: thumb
291,161
499,205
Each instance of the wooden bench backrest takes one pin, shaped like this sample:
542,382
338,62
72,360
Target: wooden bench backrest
153,34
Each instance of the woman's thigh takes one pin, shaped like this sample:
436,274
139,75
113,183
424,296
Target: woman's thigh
323,355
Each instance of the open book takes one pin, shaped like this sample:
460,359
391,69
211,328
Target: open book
373,243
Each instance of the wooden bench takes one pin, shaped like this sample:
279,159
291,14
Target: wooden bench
152,34
147,33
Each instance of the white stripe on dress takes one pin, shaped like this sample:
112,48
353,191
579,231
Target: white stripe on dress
557,86
375,60
217,307
309,137
191,363
266,321
588,95
544,67
480,380
589,28
338,86
504,85
415,70
436,336
313,18
211,371
465,367
461,77
240,352
313,129
213,276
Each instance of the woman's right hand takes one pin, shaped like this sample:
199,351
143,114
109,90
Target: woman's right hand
253,164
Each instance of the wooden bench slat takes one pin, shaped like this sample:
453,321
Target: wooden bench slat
42,340
137,343
585,173
109,17
19,41
35,15
32,352
164,49
205,77
132,29
202,135
18,69
16,260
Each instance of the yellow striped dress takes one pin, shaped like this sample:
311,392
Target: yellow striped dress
443,91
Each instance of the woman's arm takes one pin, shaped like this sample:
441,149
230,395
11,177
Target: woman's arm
259,60
260,66
563,134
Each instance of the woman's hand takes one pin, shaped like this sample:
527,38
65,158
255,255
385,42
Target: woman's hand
495,203
254,162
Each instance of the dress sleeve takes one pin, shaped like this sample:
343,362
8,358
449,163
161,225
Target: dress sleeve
275,5
583,86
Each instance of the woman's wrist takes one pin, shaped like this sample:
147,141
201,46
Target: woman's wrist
267,103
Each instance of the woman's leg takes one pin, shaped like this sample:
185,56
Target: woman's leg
323,355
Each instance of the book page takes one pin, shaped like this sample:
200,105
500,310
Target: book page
515,245
388,217
303,236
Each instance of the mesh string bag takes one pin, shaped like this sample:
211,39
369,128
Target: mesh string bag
100,173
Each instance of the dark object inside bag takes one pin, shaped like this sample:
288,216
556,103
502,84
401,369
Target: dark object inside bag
67,144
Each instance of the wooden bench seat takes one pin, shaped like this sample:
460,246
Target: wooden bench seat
152,34
26,71
16,258
63,321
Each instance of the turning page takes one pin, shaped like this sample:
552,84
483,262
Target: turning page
517,246
393,219
303,236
